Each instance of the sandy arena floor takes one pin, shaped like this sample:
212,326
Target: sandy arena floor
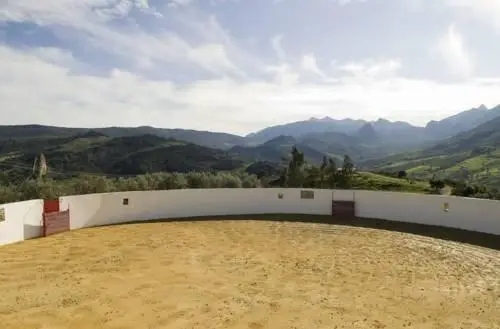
233,274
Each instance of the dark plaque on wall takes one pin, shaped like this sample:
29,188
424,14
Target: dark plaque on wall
307,194
2,214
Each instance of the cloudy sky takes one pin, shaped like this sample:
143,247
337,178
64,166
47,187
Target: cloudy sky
240,65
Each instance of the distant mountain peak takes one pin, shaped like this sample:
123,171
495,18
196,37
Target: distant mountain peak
482,107
283,139
367,132
431,124
321,119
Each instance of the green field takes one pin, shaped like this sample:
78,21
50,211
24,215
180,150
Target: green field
376,182
479,169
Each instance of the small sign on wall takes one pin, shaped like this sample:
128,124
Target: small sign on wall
446,207
307,194
281,195
2,214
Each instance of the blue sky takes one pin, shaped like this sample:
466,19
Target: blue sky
240,65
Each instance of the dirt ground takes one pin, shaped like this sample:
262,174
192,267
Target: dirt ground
247,274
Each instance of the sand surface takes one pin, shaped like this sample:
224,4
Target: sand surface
247,274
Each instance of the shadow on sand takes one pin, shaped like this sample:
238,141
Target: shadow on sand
438,232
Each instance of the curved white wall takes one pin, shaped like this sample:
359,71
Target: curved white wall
103,209
108,208
478,215
23,221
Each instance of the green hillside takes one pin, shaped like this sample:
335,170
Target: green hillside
93,152
377,182
473,156
203,138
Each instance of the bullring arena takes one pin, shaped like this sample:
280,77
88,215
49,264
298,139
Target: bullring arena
321,259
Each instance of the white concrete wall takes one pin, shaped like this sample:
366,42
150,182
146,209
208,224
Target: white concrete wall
23,220
103,209
464,213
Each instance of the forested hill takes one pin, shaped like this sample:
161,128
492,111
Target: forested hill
93,152
203,138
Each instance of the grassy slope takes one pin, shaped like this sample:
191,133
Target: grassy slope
483,168
371,181
473,155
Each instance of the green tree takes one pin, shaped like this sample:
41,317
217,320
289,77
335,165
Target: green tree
331,174
312,177
230,181
282,181
197,180
347,173
295,173
250,181
436,185
4,178
462,189
323,170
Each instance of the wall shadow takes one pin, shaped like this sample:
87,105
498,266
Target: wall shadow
485,240
32,231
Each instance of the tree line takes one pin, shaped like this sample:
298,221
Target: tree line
297,173
48,188
328,175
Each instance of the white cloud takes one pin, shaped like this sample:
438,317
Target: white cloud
213,57
455,54
88,22
179,3
35,89
55,56
310,64
483,10
79,13
277,47
371,68
283,74
48,86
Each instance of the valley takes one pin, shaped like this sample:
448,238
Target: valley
445,149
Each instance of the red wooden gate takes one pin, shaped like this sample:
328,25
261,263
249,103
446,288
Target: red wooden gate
50,206
54,221
344,209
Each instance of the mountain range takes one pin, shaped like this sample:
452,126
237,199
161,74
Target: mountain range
368,141
398,133
381,145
